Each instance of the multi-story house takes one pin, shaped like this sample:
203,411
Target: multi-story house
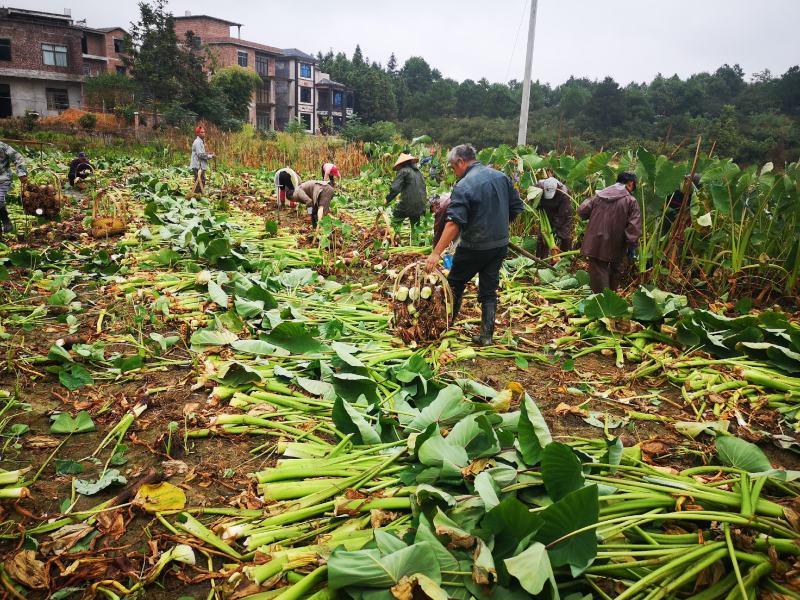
291,86
45,57
334,103
226,50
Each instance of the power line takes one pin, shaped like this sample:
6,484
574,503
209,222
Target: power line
516,38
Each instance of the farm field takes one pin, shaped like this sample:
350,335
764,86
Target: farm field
217,402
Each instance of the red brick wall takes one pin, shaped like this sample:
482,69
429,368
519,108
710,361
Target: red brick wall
228,55
26,46
205,28
114,59
95,44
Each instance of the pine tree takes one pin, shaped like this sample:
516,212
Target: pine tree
358,57
391,66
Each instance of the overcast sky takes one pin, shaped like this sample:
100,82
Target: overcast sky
631,40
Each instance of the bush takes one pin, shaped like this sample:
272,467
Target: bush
357,131
29,120
295,127
180,117
88,121
125,112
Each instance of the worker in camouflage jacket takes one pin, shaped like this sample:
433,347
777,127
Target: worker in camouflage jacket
7,156
557,205
614,229
409,184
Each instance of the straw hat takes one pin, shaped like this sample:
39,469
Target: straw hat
404,158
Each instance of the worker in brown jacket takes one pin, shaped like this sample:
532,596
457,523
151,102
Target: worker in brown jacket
614,229
557,205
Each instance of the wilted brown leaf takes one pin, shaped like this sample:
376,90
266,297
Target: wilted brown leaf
25,568
41,441
111,523
566,409
417,587
65,538
379,518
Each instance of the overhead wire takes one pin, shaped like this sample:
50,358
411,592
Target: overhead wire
516,38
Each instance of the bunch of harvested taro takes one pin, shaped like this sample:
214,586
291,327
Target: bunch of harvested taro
422,303
42,200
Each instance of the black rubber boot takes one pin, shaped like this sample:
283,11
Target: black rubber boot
488,312
5,222
456,306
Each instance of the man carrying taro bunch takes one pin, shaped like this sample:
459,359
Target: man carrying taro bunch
483,203
7,156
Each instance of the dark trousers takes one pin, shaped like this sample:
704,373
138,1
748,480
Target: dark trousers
486,263
604,274
199,186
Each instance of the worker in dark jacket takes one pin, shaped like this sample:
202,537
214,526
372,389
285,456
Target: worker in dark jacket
557,205
615,226
439,206
483,203
79,168
675,201
409,184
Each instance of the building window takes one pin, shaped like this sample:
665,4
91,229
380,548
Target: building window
86,70
305,95
121,71
337,99
262,65
57,99
263,93
305,70
119,45
84,45
262,121
242,58
305,119
5,100
5,49
54,55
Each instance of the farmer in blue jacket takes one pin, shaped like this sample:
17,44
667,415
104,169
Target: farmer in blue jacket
483,203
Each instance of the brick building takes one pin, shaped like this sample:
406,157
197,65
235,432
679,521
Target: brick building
291,86
45,57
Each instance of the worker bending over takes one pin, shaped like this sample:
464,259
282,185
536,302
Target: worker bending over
557,206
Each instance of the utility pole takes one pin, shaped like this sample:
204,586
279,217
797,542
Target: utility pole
522,136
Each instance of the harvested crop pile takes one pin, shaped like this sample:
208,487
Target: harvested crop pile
422,304
42,200
109,214
71,116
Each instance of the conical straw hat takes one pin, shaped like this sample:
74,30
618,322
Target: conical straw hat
404,158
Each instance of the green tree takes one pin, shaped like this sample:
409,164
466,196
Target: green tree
237,85
157,63
109,90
